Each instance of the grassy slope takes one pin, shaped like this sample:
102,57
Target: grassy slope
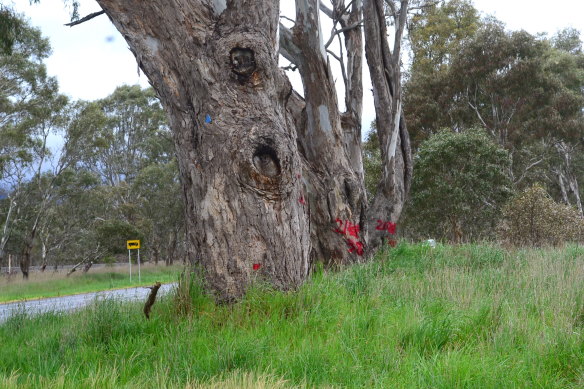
51,284
464,317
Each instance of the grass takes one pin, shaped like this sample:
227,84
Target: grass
474,316
51,284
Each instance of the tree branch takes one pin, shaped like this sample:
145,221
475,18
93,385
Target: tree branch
326,10
392,8
423,6
287,18
336,32
85,19
532,165
287,47
400,25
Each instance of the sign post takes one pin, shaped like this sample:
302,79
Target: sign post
139,277
133,245
130,263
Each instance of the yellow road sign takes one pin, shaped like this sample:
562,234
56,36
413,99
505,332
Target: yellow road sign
133,244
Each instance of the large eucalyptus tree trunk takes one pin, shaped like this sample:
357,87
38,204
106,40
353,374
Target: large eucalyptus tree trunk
272,181
384,67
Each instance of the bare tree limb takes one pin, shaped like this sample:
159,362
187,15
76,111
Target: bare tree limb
85,19
392,8
287,18
287,47
326,10
336,32
384,68
400,25
423,6
342,56
477,112
532,165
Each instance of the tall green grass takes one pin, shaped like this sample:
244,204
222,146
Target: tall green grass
473,316
50,284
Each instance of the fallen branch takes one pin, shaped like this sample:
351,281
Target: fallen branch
151,299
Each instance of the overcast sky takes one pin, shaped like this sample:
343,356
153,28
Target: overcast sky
91,59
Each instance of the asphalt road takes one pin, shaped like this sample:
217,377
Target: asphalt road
70,303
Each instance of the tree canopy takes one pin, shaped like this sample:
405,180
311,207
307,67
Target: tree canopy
526,91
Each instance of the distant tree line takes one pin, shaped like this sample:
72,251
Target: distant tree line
492,113
79,178
495,116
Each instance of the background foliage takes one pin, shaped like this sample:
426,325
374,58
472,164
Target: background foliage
532,218
460,184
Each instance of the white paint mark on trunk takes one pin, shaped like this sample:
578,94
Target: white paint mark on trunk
325,122
310,118
152,44
219,6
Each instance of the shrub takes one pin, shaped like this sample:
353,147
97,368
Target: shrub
533,218
460,185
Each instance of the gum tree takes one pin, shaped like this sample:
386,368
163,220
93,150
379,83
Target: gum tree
31,110
273,180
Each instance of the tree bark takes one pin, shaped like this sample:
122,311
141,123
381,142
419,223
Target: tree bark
43,255
6,230
25,261
272,181
156,255
214,66
384,67
171,249
567,180
334,188
87,266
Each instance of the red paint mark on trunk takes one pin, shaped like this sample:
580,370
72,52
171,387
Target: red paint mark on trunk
351,230
386,226
355,246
